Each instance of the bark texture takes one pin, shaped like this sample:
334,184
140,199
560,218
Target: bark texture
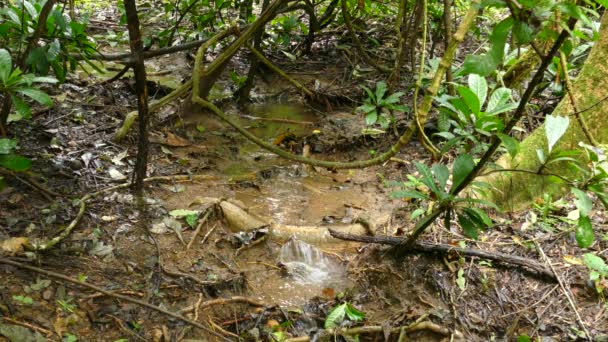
514,190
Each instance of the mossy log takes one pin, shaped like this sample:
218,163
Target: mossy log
514,190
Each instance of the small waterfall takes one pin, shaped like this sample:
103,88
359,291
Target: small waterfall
306,263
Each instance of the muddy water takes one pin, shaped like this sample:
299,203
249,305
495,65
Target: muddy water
286,194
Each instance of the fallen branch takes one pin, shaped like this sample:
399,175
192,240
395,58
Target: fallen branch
111,294
445,249
371,329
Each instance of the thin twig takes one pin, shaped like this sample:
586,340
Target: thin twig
201,222
566,291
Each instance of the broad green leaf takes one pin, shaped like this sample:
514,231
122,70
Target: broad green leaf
371,118
507,107
44,79
463,165
584,232
335,316
511,144
470,99
22,108
555,127
191,219
484,65
366,108
479,86
407,194
442,174
7,145
30,9
427,177
468,227
595,263
583,202
53,51
36,95
479,215
183,212
522,32
380,90
499,97
370,94
15,162
393,98
353,314
6,65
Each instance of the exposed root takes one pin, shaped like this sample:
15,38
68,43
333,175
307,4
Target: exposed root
440,248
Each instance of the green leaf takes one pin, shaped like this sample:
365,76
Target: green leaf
393,98
6,65
370,94
442,174
522,32
183,212
470,99
7,145
524,338
36,95
583,202
191,219
584,232
23,110
595,263
366,108
498,98
511,144
427,178
463,165
371,118
380,90
15,162
484,65
555,127
408,194
353,314
335,316
44,79
30,9
468,227
479,86
479,215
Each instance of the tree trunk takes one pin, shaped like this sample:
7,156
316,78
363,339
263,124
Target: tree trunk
514,190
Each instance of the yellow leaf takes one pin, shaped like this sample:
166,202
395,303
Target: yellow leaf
13,246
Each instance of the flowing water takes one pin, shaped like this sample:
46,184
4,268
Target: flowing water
307,264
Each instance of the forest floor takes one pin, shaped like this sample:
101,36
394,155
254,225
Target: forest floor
149,257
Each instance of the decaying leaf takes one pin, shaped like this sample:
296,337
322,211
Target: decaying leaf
13,246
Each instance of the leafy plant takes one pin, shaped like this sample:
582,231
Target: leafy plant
377,108
598,272
340,313
589,178
19,86
469,117
435,190
11,161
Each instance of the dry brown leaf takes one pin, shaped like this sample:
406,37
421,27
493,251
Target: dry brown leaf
175,141
13,246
